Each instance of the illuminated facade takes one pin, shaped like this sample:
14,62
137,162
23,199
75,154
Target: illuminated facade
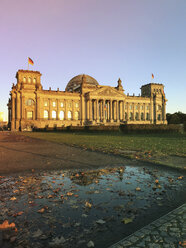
84,102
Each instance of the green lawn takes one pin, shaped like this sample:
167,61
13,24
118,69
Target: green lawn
158,148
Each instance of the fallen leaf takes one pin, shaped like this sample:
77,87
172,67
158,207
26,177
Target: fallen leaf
6,225
138,189
127,220
180,178
88,204
13,198
101,222
42,210
69,193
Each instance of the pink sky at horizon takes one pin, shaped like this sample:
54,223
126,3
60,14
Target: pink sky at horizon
106,39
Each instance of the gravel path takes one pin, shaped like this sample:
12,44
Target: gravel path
20,153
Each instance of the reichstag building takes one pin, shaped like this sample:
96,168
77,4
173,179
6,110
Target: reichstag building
84,102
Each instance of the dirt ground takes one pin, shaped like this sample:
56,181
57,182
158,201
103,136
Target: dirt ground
20,153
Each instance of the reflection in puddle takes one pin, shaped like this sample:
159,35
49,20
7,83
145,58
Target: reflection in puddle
72,209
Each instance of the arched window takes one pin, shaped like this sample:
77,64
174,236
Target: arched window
53,114
45,114
29,80
61,115
76,115
34,80
69,115
29,102
24,79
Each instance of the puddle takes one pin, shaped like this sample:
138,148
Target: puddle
72,208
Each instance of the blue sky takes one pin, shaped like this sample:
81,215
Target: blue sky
105,39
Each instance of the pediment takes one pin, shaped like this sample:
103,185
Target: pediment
107,91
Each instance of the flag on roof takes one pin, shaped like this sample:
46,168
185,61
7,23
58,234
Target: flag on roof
30,61
152,75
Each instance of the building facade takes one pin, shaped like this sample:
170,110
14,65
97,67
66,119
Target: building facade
84,102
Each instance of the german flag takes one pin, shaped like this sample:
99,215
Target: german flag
30,61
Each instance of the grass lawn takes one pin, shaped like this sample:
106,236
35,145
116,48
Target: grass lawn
168,149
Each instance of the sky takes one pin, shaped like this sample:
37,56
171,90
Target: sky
105,39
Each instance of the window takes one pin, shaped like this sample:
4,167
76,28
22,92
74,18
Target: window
30,115
62,104
159,107
131,116
34,80
70,105
53,104
29,102
142,116
29,80
77,105
137,116
53,114
69,115
130,107
159,117
147,107
125,115
141,107
45,103
61,115
45,114
24,79
136,107
76,115
125,106
147,116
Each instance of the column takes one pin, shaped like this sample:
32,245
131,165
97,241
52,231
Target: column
90,110
38,109
66,112
117,111
123,111
13,113
23,107
133,106
103,109
82,110
87,109
139,112
111,114
127,111
164,111
97,110
120,110
49,111
108,110
151,112
73,110
144,112
18,108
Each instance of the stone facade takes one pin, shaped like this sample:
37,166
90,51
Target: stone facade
84,102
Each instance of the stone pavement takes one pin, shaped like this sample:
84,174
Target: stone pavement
168,231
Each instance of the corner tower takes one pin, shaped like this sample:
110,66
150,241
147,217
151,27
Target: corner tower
28,80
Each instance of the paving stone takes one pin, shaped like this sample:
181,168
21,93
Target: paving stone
166,232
